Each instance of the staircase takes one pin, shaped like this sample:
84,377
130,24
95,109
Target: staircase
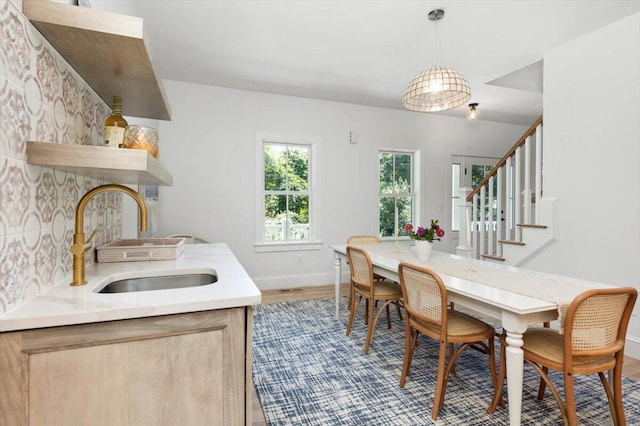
507,219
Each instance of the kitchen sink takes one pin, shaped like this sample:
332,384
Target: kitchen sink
164,282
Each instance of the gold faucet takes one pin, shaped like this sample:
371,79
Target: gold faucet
80,247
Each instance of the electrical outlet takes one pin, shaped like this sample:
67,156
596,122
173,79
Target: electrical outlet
300,259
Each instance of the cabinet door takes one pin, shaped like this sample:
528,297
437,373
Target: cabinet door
177,369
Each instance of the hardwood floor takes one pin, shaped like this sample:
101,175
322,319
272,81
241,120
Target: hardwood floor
631,367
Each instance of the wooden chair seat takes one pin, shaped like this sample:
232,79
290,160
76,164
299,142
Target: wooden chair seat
386,289
547,344
460,327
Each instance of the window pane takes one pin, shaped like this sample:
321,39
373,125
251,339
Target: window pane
402,173
455,196
405,213
455,208
477,174
298,217
275,208
386,173
455,179
387,217
298,168
274,167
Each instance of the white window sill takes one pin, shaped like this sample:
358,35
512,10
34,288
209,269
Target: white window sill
281,246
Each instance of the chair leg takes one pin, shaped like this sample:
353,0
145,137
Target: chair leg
411,337
388,318
492,363
617,389
554,391
366,312
570,399
351,297
440,381
541,388
610,398
497,392
451,352
399,311
370,327
352,314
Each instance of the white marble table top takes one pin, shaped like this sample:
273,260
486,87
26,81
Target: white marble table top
515,289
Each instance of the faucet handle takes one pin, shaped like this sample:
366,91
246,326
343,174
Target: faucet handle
79,248
93,234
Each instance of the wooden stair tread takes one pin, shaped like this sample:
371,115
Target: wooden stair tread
529,225
493,256
514,242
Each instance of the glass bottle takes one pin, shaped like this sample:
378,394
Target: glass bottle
115,125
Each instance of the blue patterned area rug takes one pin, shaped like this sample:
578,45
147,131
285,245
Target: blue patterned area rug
307,372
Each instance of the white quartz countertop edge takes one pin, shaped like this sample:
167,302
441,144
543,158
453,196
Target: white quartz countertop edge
67,305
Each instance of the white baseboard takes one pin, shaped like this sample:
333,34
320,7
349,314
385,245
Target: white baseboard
632,347
297,281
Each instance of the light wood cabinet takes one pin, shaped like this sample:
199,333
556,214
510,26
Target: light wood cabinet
191,368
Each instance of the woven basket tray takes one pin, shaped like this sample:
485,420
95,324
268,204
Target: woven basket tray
141,250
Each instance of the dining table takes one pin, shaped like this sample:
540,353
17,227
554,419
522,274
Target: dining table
515,297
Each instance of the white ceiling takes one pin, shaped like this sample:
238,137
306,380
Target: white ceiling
367,52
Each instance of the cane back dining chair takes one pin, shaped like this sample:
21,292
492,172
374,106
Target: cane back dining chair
592,341
427,312
365,239
371,239
363,286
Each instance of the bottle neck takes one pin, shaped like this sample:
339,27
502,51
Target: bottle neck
117,106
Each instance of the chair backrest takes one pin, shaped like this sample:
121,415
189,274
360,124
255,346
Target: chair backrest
597,320
363,239
360,267
423,293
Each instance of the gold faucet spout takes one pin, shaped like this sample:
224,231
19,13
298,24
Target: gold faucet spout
78,248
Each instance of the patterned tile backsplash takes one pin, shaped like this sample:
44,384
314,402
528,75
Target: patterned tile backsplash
43,99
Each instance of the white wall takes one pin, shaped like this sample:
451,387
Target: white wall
210,144
592,156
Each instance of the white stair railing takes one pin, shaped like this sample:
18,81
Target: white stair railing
507,199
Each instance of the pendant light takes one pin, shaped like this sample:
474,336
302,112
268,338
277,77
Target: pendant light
473,111
438,88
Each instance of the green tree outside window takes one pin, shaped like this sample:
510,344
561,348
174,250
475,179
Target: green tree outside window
395,192
286,192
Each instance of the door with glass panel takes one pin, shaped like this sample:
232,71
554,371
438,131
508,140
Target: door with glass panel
468,172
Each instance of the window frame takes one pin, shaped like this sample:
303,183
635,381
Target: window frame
414,193
313,143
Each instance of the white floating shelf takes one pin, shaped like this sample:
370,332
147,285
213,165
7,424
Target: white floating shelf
113,165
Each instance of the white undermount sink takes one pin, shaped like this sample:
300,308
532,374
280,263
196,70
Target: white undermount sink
161,282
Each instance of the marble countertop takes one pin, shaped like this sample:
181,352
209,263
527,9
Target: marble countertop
66,305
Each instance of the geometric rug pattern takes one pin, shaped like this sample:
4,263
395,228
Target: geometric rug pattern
307,372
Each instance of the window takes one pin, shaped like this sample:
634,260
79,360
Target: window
397,189
286,195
